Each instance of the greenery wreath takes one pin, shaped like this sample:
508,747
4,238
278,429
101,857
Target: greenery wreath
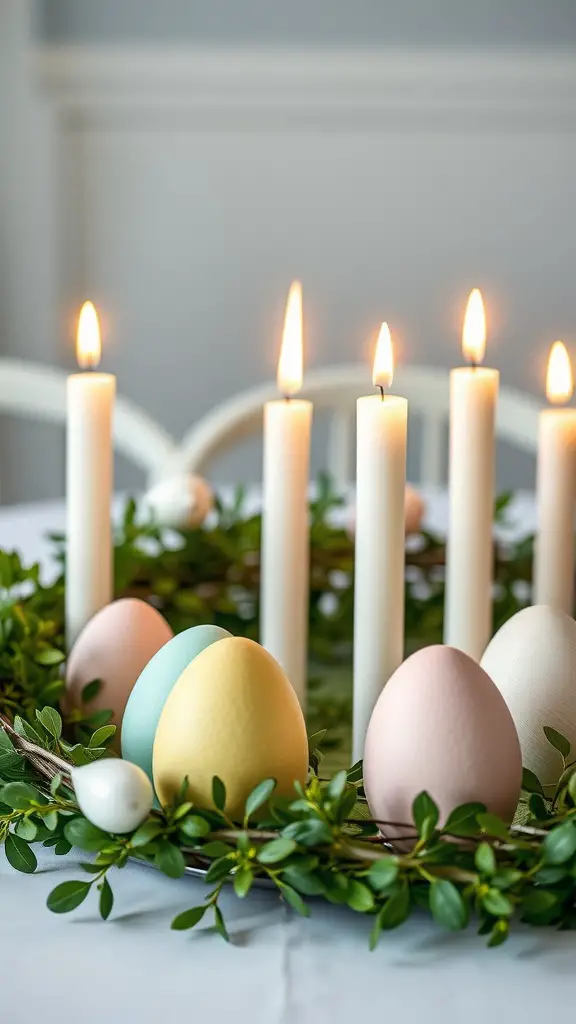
322,842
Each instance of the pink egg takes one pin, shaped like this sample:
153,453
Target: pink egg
441,725
114,647
414,509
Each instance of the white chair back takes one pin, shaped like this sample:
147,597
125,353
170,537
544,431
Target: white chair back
336,389
39,392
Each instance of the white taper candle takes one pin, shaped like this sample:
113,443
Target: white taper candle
89,475
469,555
380,534
285,556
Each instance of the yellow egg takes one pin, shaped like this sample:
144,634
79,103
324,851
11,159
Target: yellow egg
234,714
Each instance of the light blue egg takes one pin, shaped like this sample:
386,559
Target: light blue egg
153,688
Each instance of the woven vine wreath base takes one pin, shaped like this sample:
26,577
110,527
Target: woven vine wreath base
471,870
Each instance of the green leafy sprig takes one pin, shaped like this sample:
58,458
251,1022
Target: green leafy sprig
318,844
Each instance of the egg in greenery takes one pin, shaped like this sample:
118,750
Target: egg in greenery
233,714
153,687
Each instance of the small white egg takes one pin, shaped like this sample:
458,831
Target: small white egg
114,795
180,502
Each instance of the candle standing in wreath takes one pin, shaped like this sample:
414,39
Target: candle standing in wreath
89,475
285,557
469,554
382,422
556,489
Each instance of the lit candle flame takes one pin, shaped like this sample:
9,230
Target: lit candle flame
474,331
559,379
88,346
383,371
291,357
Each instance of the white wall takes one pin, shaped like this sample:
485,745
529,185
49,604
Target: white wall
193,184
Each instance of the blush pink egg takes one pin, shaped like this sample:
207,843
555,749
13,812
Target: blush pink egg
441,725
414,509
114,646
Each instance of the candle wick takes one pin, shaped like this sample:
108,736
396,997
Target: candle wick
381,386
287,398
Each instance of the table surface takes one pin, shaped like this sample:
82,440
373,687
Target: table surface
279,968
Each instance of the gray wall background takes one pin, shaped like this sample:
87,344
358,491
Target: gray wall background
190,242
499,23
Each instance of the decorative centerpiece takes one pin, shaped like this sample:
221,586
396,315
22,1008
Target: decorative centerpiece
217,774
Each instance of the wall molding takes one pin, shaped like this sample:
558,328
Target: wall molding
300,89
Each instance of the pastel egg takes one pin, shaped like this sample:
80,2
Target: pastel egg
414,509
441,725
233,713
532,660
180,502
114,647
153,686
113,794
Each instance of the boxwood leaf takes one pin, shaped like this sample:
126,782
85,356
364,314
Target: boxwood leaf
424,810
276,850
82,833
558,741
447,905
218,793
106,901
188,919
560,844
170,860
19,854
259,796
67,896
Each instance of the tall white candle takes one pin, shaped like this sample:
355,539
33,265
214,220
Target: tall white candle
556,489
89,473
380,533
469,568
285,518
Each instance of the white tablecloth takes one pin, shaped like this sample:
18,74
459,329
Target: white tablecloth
279,969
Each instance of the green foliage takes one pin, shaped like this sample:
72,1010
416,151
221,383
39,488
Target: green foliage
212,575
321,843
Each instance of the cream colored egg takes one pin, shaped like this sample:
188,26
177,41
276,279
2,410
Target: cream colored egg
442,726
234,714
532,660
114,647
180,502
